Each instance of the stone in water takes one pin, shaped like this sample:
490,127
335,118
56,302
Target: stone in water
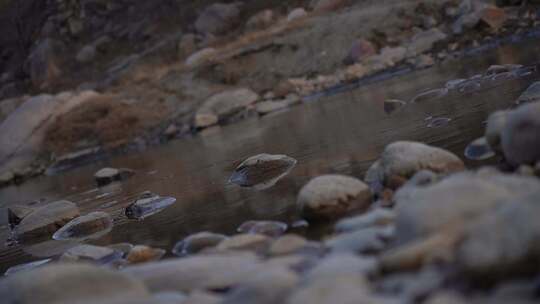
269,228
91,226
429,95
197,242
148,204
26,266
262,171
479,149
438,122
392,105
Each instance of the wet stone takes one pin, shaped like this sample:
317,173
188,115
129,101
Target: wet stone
430,95
143,254
532,94
287,244
197,242
438,122
479,149
147,205
91,253
338,264
106,176
16,214
269,228
520,137
495,124
91,226
332,196
125,248
392,105
374,218
250,242
26,266
262,171
365,241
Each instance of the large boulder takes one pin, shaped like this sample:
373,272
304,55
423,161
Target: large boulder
69,283
222,105
218,18
333,196
22,133
46,220
520,137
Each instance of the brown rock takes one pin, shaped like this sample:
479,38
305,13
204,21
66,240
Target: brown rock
143,254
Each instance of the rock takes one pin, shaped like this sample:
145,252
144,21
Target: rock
261,20
207,272
401,160
504,242
75,26
26,266
479,149
106,176
124,248
520,137
187,45
102,43
355,71
412,286
200,57
218,18
262,171
22,133
343,289
43,63
8,106
147,205
360,50
202,297
86,54
45,220
495,125
6,178
287,244
494,17
392,105
266,107
197,242
272,286
445,297
374,218
69,283
453,202
391,55
268,228
91,226
532,94
424,41
423,61
332,196
16,213
91,253
299,263
143,254
339,264
296,14
328,5
365,241
249,242
223,105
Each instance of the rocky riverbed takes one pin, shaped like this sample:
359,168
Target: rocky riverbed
421,193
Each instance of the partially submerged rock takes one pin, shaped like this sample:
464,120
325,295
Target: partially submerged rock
91,226
262,171
495,124
269,228
197,242
479,149
147,205
223,105
16,213
106,176
287,244
248,242
364,241
374,218
143,254
532,94
520,137
45,220
26,266
332,196
91,253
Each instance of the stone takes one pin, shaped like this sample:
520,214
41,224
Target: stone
287,244
16,213
272,286
503,243
392,105
106,176
223,105
261,20
531,94
6,178
187,45
209,272
453,202
424,41
102,43
250,242
297,13
339,264
124,248
43,63
266,107
479,149
391,55
200,57
360,50
494,17
86,54
262,171
218,18
26,266
374,218
147,205
332,196
142,254
495,125
44,221
299,263
203,297
268,228
197,242
91,226
90,253
402,159
423,61
343,289
328,5
520,137
69,283
364,241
